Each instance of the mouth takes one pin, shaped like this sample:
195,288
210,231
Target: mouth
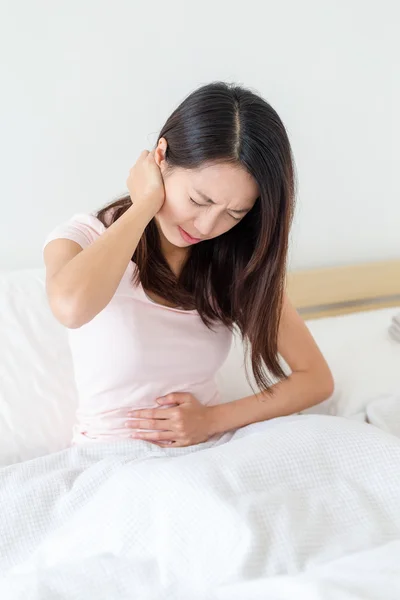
187,237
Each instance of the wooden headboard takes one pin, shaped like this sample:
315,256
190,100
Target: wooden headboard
339,290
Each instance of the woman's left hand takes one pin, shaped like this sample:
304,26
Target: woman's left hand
186,423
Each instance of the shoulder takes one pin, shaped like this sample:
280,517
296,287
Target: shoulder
81,228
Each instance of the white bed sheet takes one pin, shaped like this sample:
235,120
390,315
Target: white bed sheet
296,507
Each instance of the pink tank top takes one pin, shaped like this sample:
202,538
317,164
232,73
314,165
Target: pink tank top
136,350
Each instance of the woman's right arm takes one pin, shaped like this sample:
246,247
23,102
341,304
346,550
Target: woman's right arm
81,282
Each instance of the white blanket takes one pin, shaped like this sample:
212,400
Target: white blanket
299,507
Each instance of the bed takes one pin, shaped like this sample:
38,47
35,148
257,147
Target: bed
305,506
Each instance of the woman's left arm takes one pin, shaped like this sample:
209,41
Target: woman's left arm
310,382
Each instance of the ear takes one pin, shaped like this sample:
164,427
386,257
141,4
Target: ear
160,151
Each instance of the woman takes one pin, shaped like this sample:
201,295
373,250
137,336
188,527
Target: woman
152,286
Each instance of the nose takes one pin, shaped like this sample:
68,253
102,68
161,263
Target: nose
205,223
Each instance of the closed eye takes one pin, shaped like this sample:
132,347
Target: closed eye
198,204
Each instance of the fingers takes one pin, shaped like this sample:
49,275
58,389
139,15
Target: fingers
166,444
154,436
148,155
152,413
145,155
147,424
174,444
174,398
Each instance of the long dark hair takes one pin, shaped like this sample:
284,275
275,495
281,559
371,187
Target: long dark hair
237,278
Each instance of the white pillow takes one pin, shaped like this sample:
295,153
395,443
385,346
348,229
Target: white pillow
364,359
37,393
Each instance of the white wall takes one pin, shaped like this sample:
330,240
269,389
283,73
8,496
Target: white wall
86,85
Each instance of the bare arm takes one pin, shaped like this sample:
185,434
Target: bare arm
80,283
310,382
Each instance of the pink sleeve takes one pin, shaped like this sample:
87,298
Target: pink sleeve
81,228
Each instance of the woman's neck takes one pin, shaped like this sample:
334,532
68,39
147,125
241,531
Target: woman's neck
175,256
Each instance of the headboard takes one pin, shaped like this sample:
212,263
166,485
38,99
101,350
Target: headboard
339,290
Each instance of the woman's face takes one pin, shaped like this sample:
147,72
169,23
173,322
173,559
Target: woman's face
201,204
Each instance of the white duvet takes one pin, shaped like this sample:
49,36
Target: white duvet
299,507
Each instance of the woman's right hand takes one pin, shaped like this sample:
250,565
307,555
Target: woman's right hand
145,184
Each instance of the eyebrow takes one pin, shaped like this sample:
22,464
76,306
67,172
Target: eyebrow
207,199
